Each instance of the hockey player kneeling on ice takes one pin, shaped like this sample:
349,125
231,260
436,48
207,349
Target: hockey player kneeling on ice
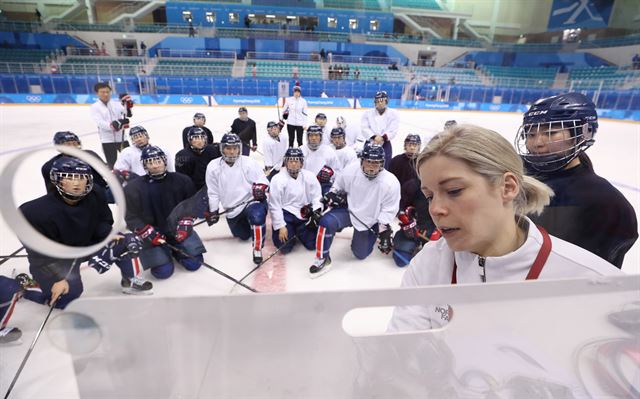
274,149
345,154
294,203
364,196
76,214
193,161
150,200
72,140
403,166
321,121
129,158
416,226
237,183
198,121
320,159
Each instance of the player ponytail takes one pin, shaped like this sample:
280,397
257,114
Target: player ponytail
491,156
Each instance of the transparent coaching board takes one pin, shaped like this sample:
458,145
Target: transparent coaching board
555,339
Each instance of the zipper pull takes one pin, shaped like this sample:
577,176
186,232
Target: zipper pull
481,261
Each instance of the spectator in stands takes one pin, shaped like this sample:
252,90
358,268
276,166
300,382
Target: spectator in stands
143,49
295,71
254,71
247,22
346,71
331,72
245,128
38,17
94,50
636,61
330,57
192,30
103,49
322,54
356,74
295,113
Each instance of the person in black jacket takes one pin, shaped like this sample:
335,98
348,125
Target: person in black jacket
198,121
403,166
150,201
586,210
193,161
245,128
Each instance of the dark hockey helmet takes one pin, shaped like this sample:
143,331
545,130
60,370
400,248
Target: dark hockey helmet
372,160
138,132
381,97
230,140
62,138
149,158
67,167
293,154
314,129
273,129
450,123
196,132
412,145
321,119
199,115
546,119
338,138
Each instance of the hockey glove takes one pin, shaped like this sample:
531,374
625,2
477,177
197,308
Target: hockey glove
259,191
285,115
150,234
386,245
102,260
211,217
408,223
184,229
325,175
120,124
333,199
126,100
281,124
312,217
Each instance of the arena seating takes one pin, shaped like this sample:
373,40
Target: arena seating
445,75
610,76
101,65
518,77
420,4
184,66
265,69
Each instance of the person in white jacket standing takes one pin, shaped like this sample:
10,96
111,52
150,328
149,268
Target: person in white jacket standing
479,198
295,113
130,159
364,196
238,184
381,124
112,118
294,204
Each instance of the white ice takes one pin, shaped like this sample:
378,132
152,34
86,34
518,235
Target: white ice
24,129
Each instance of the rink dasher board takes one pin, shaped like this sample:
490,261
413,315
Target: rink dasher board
293,345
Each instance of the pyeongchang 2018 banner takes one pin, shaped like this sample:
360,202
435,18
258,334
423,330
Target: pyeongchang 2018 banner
571,14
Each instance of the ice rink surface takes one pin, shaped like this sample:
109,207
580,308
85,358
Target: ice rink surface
24,129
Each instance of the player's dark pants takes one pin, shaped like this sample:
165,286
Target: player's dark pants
9,292
293,132
46,281
250,223
158,258
403,248
245,148
361,243
386,146
111,151
297,227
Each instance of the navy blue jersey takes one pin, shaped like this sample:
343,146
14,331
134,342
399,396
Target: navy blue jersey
246,130
85,223
411,195
194,165
151,201
403,167
589,212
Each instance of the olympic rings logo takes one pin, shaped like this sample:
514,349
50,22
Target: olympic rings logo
34,99
186,100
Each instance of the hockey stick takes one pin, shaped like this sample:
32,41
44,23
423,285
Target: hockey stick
52,305
263,262
11,255
227,210
208,266
398,254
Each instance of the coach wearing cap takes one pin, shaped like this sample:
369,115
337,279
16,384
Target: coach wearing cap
245,127
295,112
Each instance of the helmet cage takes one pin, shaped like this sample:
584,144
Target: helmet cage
57,177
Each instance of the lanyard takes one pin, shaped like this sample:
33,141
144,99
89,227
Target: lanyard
538,263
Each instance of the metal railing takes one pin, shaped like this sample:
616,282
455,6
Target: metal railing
315,56
177,53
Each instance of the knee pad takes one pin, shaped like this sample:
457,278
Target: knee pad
399,261
192,264
360,255
162,272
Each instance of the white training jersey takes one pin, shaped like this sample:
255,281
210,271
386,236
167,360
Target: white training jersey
287,193
345,155
129,159
274,150
433,265
315,160
372,201
298,111
326,135
375,124
103,114
228,186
